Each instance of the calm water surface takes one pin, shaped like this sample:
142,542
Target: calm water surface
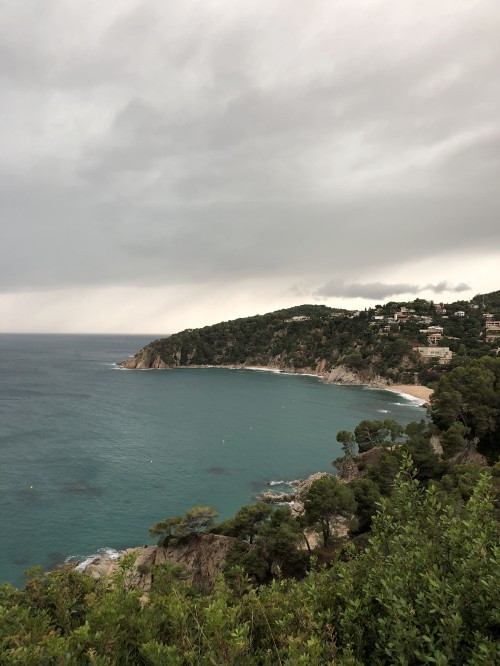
91,455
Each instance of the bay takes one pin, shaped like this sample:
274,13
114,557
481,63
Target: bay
92,455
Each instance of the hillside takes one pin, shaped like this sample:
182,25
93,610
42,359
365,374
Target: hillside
386,343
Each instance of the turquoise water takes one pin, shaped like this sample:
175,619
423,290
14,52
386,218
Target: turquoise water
91,455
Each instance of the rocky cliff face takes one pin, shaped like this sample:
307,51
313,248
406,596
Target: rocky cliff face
144,360
341,374
202,555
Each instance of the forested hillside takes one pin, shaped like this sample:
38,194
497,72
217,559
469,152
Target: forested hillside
380,342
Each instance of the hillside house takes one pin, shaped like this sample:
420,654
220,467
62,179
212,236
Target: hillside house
492,330
434,338
442,354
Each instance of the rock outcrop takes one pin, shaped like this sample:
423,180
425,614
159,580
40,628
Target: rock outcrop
295,498
202,555
144,360
341,374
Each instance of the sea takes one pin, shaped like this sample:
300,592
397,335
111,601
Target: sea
92,455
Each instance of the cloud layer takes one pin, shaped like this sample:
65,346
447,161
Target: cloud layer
153,145
379,290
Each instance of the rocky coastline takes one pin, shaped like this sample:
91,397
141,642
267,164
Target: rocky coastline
202,557
296,497
341,375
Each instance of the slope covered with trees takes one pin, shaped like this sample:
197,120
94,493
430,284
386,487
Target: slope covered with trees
376,343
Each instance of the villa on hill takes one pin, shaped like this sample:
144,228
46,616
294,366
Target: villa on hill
442,354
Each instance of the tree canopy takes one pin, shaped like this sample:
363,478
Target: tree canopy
470,396
327,500
196,519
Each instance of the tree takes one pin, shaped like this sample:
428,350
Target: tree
348,442
245,524
470,395
385,470
394,429
277,538
455,439
326,500
429,590
428,466
196,519
165,529
367,496
372,432
417,428
459,484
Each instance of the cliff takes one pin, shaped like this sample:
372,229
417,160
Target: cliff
202,555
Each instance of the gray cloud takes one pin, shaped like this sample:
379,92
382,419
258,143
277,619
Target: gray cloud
154,143
381,291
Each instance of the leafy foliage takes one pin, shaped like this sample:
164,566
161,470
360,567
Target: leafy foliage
245,524
196,519
327,500
370,433
425,590
470,396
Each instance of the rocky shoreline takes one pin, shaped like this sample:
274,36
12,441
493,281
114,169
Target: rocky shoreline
201,555
295,498
341,375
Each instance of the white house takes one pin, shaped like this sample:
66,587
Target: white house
442,354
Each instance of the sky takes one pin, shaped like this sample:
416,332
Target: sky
166,165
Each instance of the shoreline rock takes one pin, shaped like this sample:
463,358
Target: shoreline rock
295,498
202,555
340,374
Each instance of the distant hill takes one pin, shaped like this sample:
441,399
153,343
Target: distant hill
491,301
376,345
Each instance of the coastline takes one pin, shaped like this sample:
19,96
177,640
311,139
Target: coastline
413,392
106,559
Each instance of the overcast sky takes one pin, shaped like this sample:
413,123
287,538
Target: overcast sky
171,164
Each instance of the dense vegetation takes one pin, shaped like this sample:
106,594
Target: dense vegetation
425,590
370,343
417,581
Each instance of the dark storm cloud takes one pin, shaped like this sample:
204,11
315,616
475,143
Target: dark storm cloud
205,142
380,291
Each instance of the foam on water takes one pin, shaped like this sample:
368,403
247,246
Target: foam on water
102,552
415,402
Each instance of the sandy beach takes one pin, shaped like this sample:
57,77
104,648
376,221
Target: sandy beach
421,392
